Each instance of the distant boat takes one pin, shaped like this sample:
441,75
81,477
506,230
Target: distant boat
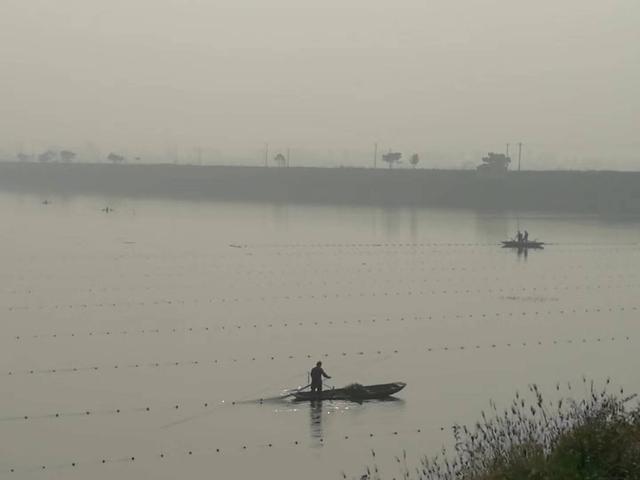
534,244
354,392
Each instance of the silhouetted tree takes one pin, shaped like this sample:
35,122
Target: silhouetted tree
23,157
414,160
67,156
115,158
47,156
280,160
391,158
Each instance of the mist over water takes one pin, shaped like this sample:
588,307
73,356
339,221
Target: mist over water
133,320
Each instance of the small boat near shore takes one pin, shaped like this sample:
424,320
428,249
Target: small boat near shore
523,245
354,392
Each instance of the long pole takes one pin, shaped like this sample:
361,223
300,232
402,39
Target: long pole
519,154
375,155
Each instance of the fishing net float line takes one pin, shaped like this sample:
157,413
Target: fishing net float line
374,280
247,360
378,353
230,328
306,268
352,248
322,296
221,257
183,453
414,245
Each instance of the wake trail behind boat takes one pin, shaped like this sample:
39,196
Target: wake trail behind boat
256,401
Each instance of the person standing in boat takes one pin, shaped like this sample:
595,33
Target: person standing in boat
519,237
317,373
526,237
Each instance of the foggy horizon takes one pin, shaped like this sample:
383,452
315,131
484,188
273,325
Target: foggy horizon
163,80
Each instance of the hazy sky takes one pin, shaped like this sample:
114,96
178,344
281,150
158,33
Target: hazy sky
563,76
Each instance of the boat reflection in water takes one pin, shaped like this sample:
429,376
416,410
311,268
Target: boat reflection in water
319,408
523,247
315,417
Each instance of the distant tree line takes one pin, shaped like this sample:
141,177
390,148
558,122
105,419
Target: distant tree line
281,160
393,158
64,156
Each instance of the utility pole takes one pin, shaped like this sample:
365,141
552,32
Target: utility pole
375,155
519,154
507,149
266,154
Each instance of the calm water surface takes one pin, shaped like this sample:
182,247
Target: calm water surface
159,334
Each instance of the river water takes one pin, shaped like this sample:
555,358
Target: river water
153,340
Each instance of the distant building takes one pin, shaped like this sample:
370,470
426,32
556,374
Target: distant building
494,165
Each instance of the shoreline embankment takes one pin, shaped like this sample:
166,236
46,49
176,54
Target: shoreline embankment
604,192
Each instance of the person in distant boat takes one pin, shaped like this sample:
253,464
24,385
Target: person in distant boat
317,373
526,237
519,237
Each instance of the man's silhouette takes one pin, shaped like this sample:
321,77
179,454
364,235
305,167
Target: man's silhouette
317,373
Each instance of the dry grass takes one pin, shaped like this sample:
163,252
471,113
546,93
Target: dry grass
595,438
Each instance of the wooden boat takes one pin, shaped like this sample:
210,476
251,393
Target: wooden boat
354,392
522,245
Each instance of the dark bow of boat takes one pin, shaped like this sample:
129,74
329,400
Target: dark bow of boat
355,392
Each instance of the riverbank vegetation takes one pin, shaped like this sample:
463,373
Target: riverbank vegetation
594,438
